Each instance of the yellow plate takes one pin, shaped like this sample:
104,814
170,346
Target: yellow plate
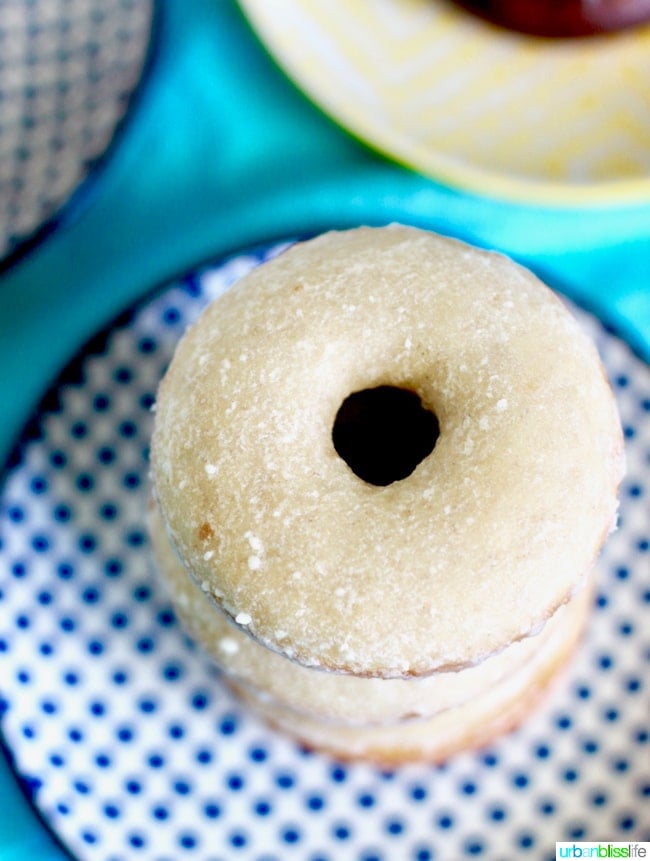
534,120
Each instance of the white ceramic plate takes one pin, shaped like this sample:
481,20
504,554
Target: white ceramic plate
535,120
131,748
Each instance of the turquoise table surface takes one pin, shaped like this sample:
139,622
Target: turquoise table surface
221,152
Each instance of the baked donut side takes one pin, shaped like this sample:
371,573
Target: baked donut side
488,536
333,697
473,724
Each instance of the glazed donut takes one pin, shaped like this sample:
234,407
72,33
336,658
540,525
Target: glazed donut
471,724
474,549
335,699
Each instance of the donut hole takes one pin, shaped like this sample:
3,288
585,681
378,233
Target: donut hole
383,433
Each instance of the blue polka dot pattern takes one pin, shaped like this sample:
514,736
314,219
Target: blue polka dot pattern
131,748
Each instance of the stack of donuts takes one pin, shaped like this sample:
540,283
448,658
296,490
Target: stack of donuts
383,466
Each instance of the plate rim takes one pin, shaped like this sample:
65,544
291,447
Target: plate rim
437,165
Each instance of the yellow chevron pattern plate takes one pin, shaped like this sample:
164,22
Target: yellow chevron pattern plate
512,116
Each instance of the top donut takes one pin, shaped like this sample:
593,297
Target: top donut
479,545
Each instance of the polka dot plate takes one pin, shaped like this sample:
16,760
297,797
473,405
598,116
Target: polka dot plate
129,746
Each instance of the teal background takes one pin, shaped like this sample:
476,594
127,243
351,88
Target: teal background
220,152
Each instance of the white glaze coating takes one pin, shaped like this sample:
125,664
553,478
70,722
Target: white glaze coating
490,534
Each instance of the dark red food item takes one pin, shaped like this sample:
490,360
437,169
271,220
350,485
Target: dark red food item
561,18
